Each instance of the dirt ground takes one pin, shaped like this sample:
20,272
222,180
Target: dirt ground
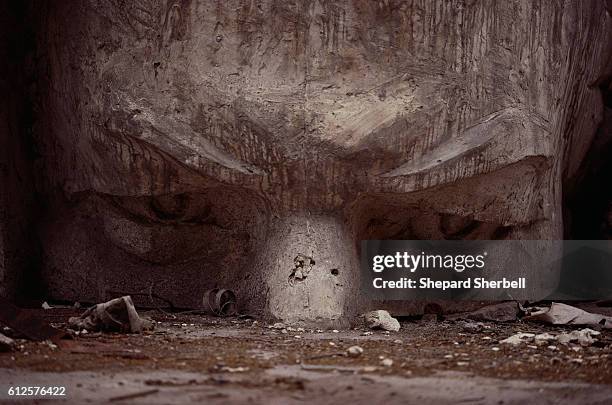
218,360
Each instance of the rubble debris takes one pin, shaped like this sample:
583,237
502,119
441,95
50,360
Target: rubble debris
381,319
472,327
6,343
518,338
234,369
354,351
502,312
563,314
584,337
27,322
220,302
117,315
386,362
544,338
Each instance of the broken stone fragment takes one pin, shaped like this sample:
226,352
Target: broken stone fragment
117,315
563,314
584,337
544,338
6,343
386,362
381,319
354,351
518,338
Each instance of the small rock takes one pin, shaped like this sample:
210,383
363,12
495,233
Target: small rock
369,369
544,338
381,320
278,325
335,331
367,333
584,337
6,343
354,351
495,349
463,363
45,305
518,338
472,327
235,369
387,362
398,341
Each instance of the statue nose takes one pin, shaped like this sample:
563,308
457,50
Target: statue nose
311,268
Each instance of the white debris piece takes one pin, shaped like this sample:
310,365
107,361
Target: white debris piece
381,319
543,338
518,338
387,362
583,337
354,351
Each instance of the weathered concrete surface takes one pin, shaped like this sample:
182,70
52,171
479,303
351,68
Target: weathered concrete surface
195,144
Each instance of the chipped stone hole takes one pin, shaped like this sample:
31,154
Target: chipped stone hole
302,266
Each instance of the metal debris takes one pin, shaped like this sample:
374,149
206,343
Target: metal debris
220,302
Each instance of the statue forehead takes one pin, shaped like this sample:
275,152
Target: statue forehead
402,95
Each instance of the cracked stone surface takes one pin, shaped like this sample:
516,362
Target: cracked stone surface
189,145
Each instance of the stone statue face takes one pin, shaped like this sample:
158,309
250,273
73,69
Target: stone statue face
201,144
